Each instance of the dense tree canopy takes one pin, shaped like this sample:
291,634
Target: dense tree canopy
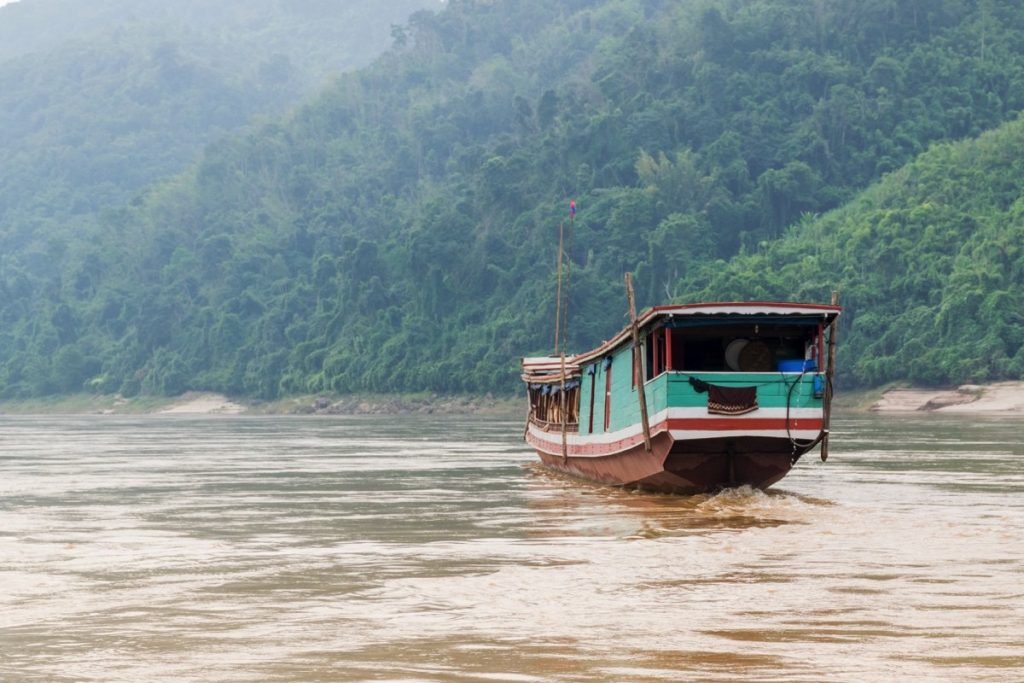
399,232
929,262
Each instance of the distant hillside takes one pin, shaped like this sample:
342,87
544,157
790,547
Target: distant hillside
399,233
929,263
320,37
100,98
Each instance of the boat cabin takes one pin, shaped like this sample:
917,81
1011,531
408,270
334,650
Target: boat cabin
766,345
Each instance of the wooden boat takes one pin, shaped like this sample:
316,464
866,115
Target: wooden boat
689,398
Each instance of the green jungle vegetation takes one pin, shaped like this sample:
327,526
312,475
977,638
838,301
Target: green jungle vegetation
399,231
930,263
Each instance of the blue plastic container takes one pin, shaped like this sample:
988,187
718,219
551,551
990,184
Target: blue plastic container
797,365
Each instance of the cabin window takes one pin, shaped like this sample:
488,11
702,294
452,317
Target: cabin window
655,353
592,374
607,393
734,348
659,352
676,349
548,404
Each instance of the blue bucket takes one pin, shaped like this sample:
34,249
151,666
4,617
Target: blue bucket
797,365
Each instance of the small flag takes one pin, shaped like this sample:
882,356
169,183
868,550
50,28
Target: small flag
572,208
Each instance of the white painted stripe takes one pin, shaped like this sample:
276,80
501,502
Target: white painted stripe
760,308
702,412
687,434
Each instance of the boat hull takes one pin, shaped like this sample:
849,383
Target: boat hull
730,394
676,464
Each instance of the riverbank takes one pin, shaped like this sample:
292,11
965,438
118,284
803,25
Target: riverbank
208,403
1005,398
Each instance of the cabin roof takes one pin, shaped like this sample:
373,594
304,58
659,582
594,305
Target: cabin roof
718,311
548,369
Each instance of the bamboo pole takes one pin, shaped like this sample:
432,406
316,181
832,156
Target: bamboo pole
529,413
564,405
636,362
829,373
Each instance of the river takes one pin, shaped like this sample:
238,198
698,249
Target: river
434,549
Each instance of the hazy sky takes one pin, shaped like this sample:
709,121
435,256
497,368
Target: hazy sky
6,2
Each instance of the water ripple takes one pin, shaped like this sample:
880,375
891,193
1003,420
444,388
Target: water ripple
435,549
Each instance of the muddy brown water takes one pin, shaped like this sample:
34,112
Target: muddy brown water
434,549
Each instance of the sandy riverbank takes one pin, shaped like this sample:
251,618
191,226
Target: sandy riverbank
194,403
208,403
1003,398
1006,398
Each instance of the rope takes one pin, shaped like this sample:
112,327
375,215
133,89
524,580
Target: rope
789,404
789,401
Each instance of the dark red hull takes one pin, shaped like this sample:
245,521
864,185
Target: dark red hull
687,466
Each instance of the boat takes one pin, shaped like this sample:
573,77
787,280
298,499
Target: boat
689,398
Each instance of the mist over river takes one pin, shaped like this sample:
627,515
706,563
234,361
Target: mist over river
434,549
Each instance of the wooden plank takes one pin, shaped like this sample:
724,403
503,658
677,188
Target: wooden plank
637,371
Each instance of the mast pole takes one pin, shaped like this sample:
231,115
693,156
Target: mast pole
564,320
636,362
564,409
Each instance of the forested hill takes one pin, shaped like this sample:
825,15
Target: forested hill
100,98
930,264
399,233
